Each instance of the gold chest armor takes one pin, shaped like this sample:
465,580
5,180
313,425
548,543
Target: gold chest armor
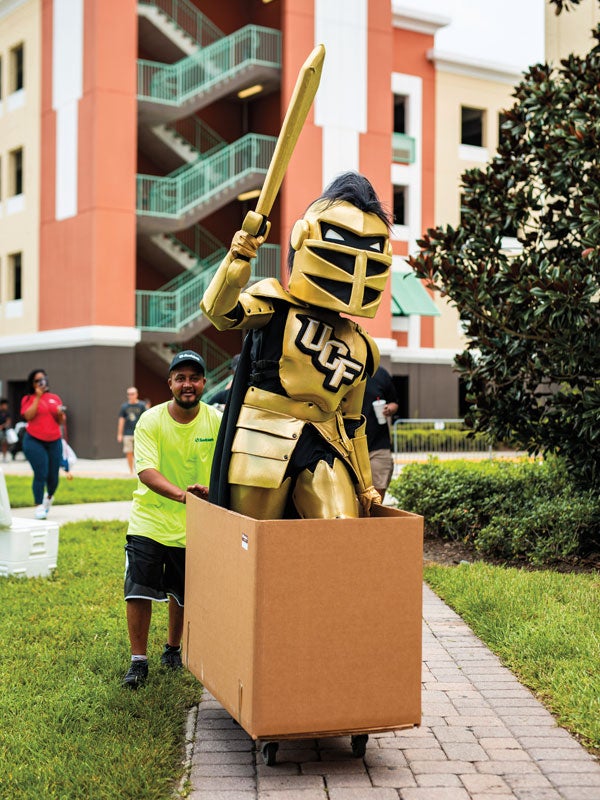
321,369
323,358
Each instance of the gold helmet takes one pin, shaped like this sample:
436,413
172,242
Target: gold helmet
341,254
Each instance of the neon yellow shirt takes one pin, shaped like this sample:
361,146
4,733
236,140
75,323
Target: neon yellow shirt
183,453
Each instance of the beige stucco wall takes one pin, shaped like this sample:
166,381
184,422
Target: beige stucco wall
20,23
453,91
571,32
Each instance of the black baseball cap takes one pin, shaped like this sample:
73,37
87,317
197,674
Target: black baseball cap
187,357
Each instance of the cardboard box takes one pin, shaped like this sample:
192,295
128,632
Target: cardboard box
306,627
29,548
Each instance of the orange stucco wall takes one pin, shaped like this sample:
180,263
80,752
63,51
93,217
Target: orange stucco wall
410,56
304,177
87,262
376,143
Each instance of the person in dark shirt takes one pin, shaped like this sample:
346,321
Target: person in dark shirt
129,413
380,387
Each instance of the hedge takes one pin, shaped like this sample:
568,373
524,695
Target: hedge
524,510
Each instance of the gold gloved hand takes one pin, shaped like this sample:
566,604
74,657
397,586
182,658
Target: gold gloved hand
367,497
244,246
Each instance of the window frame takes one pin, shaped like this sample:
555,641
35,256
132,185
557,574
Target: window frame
17,68
16,172
476,114
15,276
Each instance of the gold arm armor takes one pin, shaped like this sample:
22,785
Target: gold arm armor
220,300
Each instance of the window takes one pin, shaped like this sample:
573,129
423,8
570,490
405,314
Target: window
17,68
399,113
400,216
16,172
471,126
403,145
15,276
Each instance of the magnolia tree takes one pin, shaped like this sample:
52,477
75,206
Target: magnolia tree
532,313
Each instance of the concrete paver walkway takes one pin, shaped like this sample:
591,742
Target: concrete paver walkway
483,735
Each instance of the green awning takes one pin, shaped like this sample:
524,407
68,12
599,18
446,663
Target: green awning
409,296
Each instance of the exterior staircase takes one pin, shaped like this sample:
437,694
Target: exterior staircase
192,192
171,29
172,314
183,142
196,65
251,55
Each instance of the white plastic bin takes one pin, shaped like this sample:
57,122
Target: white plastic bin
29,548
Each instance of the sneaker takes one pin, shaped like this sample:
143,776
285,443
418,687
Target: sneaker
136,675
40,512
47,502
171,657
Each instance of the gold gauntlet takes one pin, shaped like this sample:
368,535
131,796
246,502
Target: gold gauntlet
367,497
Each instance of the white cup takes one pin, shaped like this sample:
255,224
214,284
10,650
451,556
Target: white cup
378,406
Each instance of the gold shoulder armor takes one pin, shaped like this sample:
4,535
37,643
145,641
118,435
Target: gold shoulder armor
257,311
271,288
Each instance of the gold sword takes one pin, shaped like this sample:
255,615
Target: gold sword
223,291
301,100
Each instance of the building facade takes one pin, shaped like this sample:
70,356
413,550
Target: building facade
134,137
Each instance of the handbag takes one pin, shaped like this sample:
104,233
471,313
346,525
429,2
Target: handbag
11,436
68,456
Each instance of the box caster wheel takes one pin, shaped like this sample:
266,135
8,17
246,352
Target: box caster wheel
269,753
359,745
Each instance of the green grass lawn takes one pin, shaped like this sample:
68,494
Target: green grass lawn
68,729
545,627
79,490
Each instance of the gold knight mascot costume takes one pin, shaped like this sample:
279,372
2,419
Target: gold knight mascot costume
293,440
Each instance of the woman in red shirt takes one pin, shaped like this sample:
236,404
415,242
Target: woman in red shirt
44,413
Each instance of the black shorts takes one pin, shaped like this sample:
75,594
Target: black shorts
153,571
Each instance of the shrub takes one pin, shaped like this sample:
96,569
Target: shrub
506,510
554,528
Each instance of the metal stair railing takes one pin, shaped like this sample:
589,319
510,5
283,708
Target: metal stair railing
199,241
190,19
196,133
170,311
202,264
194,184
207,254
174,84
